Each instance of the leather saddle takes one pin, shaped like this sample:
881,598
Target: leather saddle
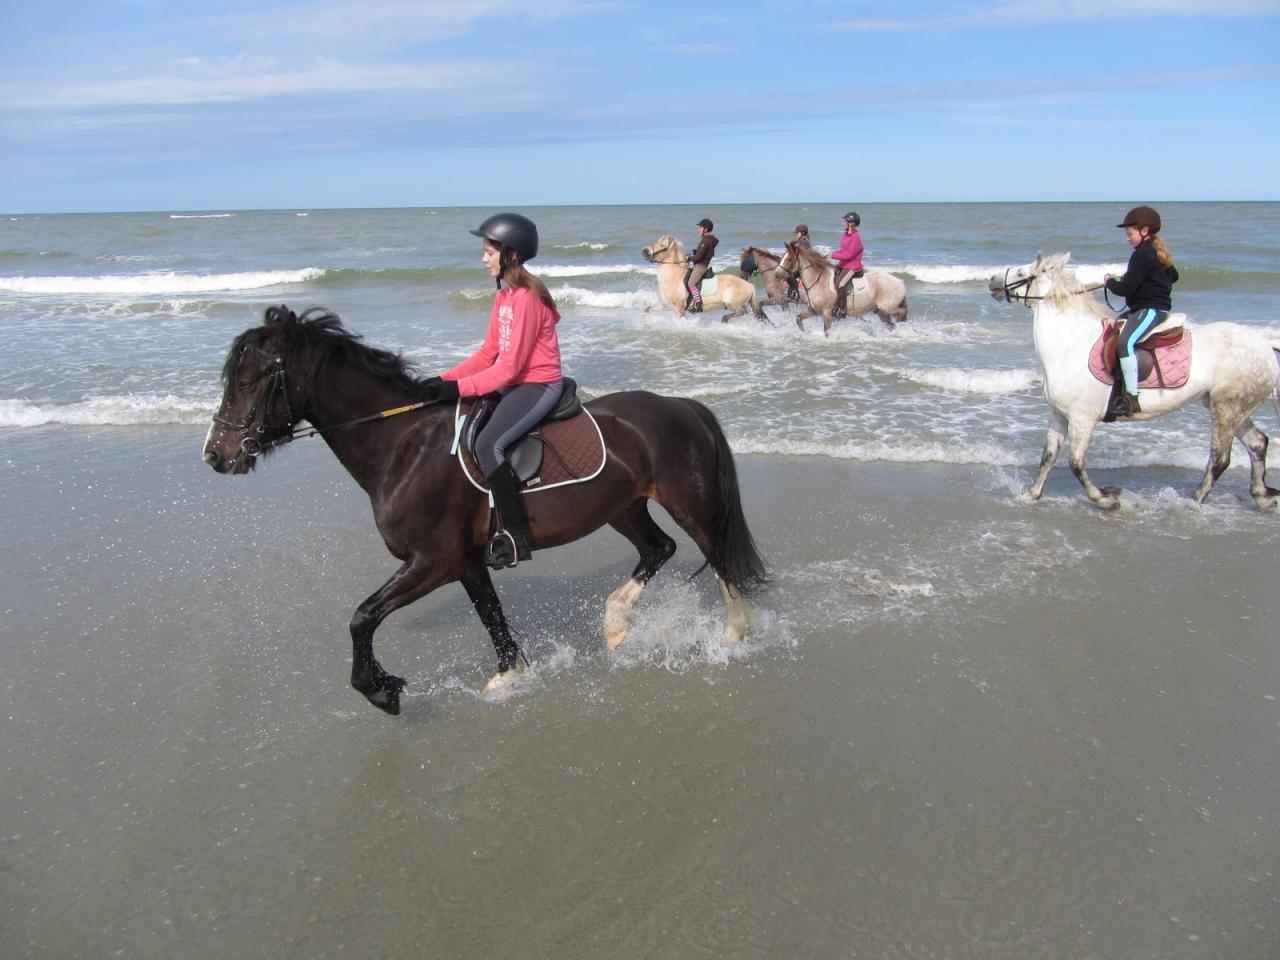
525,455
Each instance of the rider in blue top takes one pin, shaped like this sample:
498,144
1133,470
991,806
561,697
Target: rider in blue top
1147,287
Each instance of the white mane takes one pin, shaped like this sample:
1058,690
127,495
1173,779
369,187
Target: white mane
1065,288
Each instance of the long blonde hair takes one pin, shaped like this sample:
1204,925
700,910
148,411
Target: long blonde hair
1162,251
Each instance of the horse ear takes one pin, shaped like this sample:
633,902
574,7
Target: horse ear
1039,258
280,314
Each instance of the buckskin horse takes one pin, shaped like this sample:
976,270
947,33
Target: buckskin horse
1232,371
366,404
732,293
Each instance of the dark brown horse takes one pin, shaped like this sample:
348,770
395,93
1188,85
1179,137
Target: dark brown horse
431,518
753,261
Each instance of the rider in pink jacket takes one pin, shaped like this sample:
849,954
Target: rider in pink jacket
848,257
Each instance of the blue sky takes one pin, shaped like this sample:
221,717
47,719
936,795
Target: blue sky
169,104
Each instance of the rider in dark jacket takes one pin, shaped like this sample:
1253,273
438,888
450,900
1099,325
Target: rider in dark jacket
1147,287
700,262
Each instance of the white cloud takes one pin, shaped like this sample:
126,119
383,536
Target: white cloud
1040,12
241,79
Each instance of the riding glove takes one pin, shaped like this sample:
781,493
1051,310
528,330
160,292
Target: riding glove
446,391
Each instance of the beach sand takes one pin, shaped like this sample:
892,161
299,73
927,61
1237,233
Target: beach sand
967,726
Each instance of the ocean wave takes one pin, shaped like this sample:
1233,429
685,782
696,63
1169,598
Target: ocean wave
200,216
125,410
613,300
940,273
870,451
159,284
972,381
584,245
567,270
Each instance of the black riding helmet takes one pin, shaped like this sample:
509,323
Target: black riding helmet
511,231
853,218
706,224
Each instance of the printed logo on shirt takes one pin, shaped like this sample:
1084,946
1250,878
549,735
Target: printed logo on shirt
506,316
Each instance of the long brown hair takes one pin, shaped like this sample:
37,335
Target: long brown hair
1162,251
515,276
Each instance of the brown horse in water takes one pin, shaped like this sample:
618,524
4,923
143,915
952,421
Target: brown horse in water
434,521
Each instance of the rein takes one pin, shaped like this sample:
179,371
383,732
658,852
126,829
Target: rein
277,383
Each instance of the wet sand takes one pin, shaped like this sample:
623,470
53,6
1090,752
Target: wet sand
968,726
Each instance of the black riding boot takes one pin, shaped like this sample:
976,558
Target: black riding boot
1122,405
510,544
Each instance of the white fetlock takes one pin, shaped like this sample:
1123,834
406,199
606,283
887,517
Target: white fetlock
617,612
503,679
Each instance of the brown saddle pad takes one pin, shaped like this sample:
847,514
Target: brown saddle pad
573,451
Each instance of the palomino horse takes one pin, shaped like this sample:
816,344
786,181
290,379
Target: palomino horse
883,292
365,403
732,293
1233,370
754,260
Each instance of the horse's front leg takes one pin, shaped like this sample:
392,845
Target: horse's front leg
1053,437
1255,441
413,580
484,598
1079,433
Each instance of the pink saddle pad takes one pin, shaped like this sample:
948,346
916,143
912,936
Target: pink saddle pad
1171,369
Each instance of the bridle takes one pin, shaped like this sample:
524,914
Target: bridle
278,384
653,254
1011,289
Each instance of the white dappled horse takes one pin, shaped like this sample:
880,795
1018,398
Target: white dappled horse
1233,371
732,293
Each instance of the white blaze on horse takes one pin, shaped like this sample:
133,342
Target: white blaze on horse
879,290
733,293
1232,370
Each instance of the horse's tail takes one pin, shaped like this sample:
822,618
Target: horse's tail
756,309
733,550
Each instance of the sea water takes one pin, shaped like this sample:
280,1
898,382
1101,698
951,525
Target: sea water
124,319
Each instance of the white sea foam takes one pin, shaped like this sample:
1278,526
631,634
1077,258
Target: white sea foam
124,410
587,244
566,270
625,299
972,381
159,284
200,216
936,273
907,451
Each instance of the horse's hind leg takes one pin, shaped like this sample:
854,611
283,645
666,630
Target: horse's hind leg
1255,441
1227,420
479,587
412,581
655,549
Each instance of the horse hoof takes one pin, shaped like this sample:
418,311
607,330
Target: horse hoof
388,698
1265,504
502,679
1109,498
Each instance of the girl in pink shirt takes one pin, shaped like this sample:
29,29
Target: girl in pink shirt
519,359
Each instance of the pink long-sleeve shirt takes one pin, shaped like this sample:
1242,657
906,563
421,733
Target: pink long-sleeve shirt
520,347
849,256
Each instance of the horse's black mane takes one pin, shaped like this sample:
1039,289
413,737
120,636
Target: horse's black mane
329,340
